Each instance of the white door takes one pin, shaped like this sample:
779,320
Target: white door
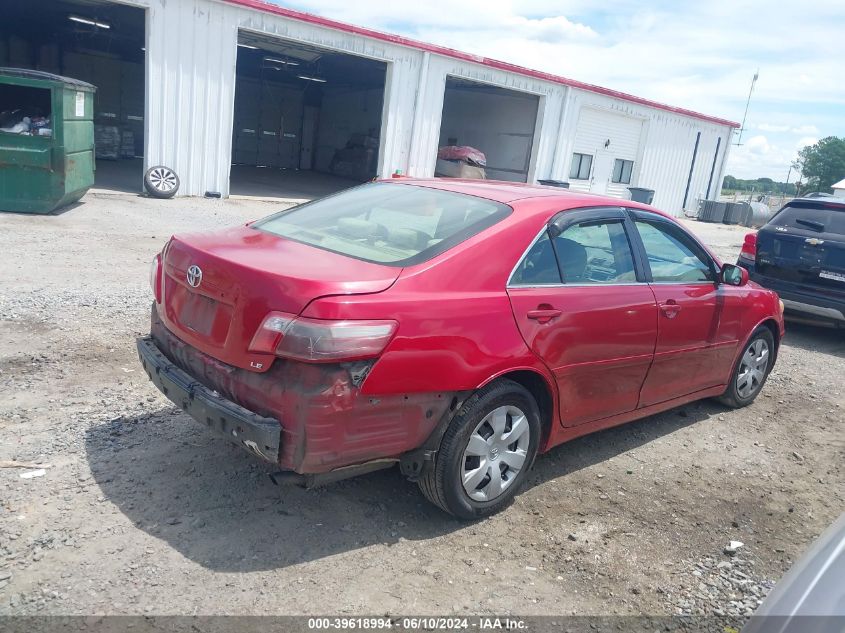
602,170
606,137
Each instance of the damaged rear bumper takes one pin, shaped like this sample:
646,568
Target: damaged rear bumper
306,418
259,435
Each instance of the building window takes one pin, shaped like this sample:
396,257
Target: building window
581,164
622,171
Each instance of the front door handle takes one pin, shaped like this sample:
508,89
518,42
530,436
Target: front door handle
544,315
670,309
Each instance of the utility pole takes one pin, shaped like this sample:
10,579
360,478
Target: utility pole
747,102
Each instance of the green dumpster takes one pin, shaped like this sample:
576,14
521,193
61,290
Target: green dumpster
46,140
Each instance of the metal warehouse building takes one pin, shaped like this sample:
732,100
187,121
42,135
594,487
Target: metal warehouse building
237,95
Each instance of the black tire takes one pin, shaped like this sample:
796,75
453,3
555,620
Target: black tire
442,482
733,396
161,182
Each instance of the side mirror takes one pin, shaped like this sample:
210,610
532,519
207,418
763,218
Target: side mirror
734,275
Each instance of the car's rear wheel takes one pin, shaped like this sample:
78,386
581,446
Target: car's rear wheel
752,369
486,452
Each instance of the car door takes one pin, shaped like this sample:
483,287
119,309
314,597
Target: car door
582,305
693,351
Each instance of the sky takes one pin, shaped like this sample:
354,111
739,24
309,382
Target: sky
696,55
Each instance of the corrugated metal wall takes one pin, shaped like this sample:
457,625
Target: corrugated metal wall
665,152
191,54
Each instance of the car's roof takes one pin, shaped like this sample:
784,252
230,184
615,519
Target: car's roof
823,200
506,192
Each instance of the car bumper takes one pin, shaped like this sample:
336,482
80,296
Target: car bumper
799,299
322,420
811,309
257,434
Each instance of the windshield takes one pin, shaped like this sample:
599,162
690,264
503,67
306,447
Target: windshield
822,218
387,223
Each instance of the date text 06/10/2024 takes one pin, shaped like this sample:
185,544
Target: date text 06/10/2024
424,623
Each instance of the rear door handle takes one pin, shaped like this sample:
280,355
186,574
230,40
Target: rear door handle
670,309
543,315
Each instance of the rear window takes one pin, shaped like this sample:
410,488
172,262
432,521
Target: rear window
819,218
385,223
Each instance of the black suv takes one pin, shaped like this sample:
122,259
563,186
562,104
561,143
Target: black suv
800,254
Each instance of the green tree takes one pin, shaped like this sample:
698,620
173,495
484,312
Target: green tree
767,185
823,163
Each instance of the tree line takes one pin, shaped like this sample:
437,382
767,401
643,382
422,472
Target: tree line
819,166
758,185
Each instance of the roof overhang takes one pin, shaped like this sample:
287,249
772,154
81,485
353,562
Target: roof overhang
399,40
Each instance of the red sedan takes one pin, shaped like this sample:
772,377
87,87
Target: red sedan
458,328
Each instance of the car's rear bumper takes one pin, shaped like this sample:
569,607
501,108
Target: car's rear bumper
799,299
322,420
257,434
811,309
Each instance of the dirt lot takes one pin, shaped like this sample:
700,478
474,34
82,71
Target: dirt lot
141,511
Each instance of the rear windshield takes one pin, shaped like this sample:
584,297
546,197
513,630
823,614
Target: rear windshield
820,218
385,223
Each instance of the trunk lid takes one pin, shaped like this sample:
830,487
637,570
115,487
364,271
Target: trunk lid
804,244
241,274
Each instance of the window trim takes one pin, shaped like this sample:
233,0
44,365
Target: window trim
562,220
622,172
581,156
699,249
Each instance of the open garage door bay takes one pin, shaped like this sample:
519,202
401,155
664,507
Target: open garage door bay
497,121
307,120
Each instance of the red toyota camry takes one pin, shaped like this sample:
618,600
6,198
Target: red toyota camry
458,328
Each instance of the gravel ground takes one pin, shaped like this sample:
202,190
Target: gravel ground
140,511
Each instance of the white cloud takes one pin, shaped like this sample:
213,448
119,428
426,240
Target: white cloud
758,157
768,127
758,145
806,129
552,29
806,140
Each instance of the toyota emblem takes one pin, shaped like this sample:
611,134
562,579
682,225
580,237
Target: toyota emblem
194,276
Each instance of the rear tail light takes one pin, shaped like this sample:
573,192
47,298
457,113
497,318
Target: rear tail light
749,246
269,335
155,277
314,340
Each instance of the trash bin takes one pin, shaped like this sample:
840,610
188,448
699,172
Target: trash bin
639,194
46,140
554,183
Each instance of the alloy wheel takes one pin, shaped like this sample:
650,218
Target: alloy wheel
163,179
